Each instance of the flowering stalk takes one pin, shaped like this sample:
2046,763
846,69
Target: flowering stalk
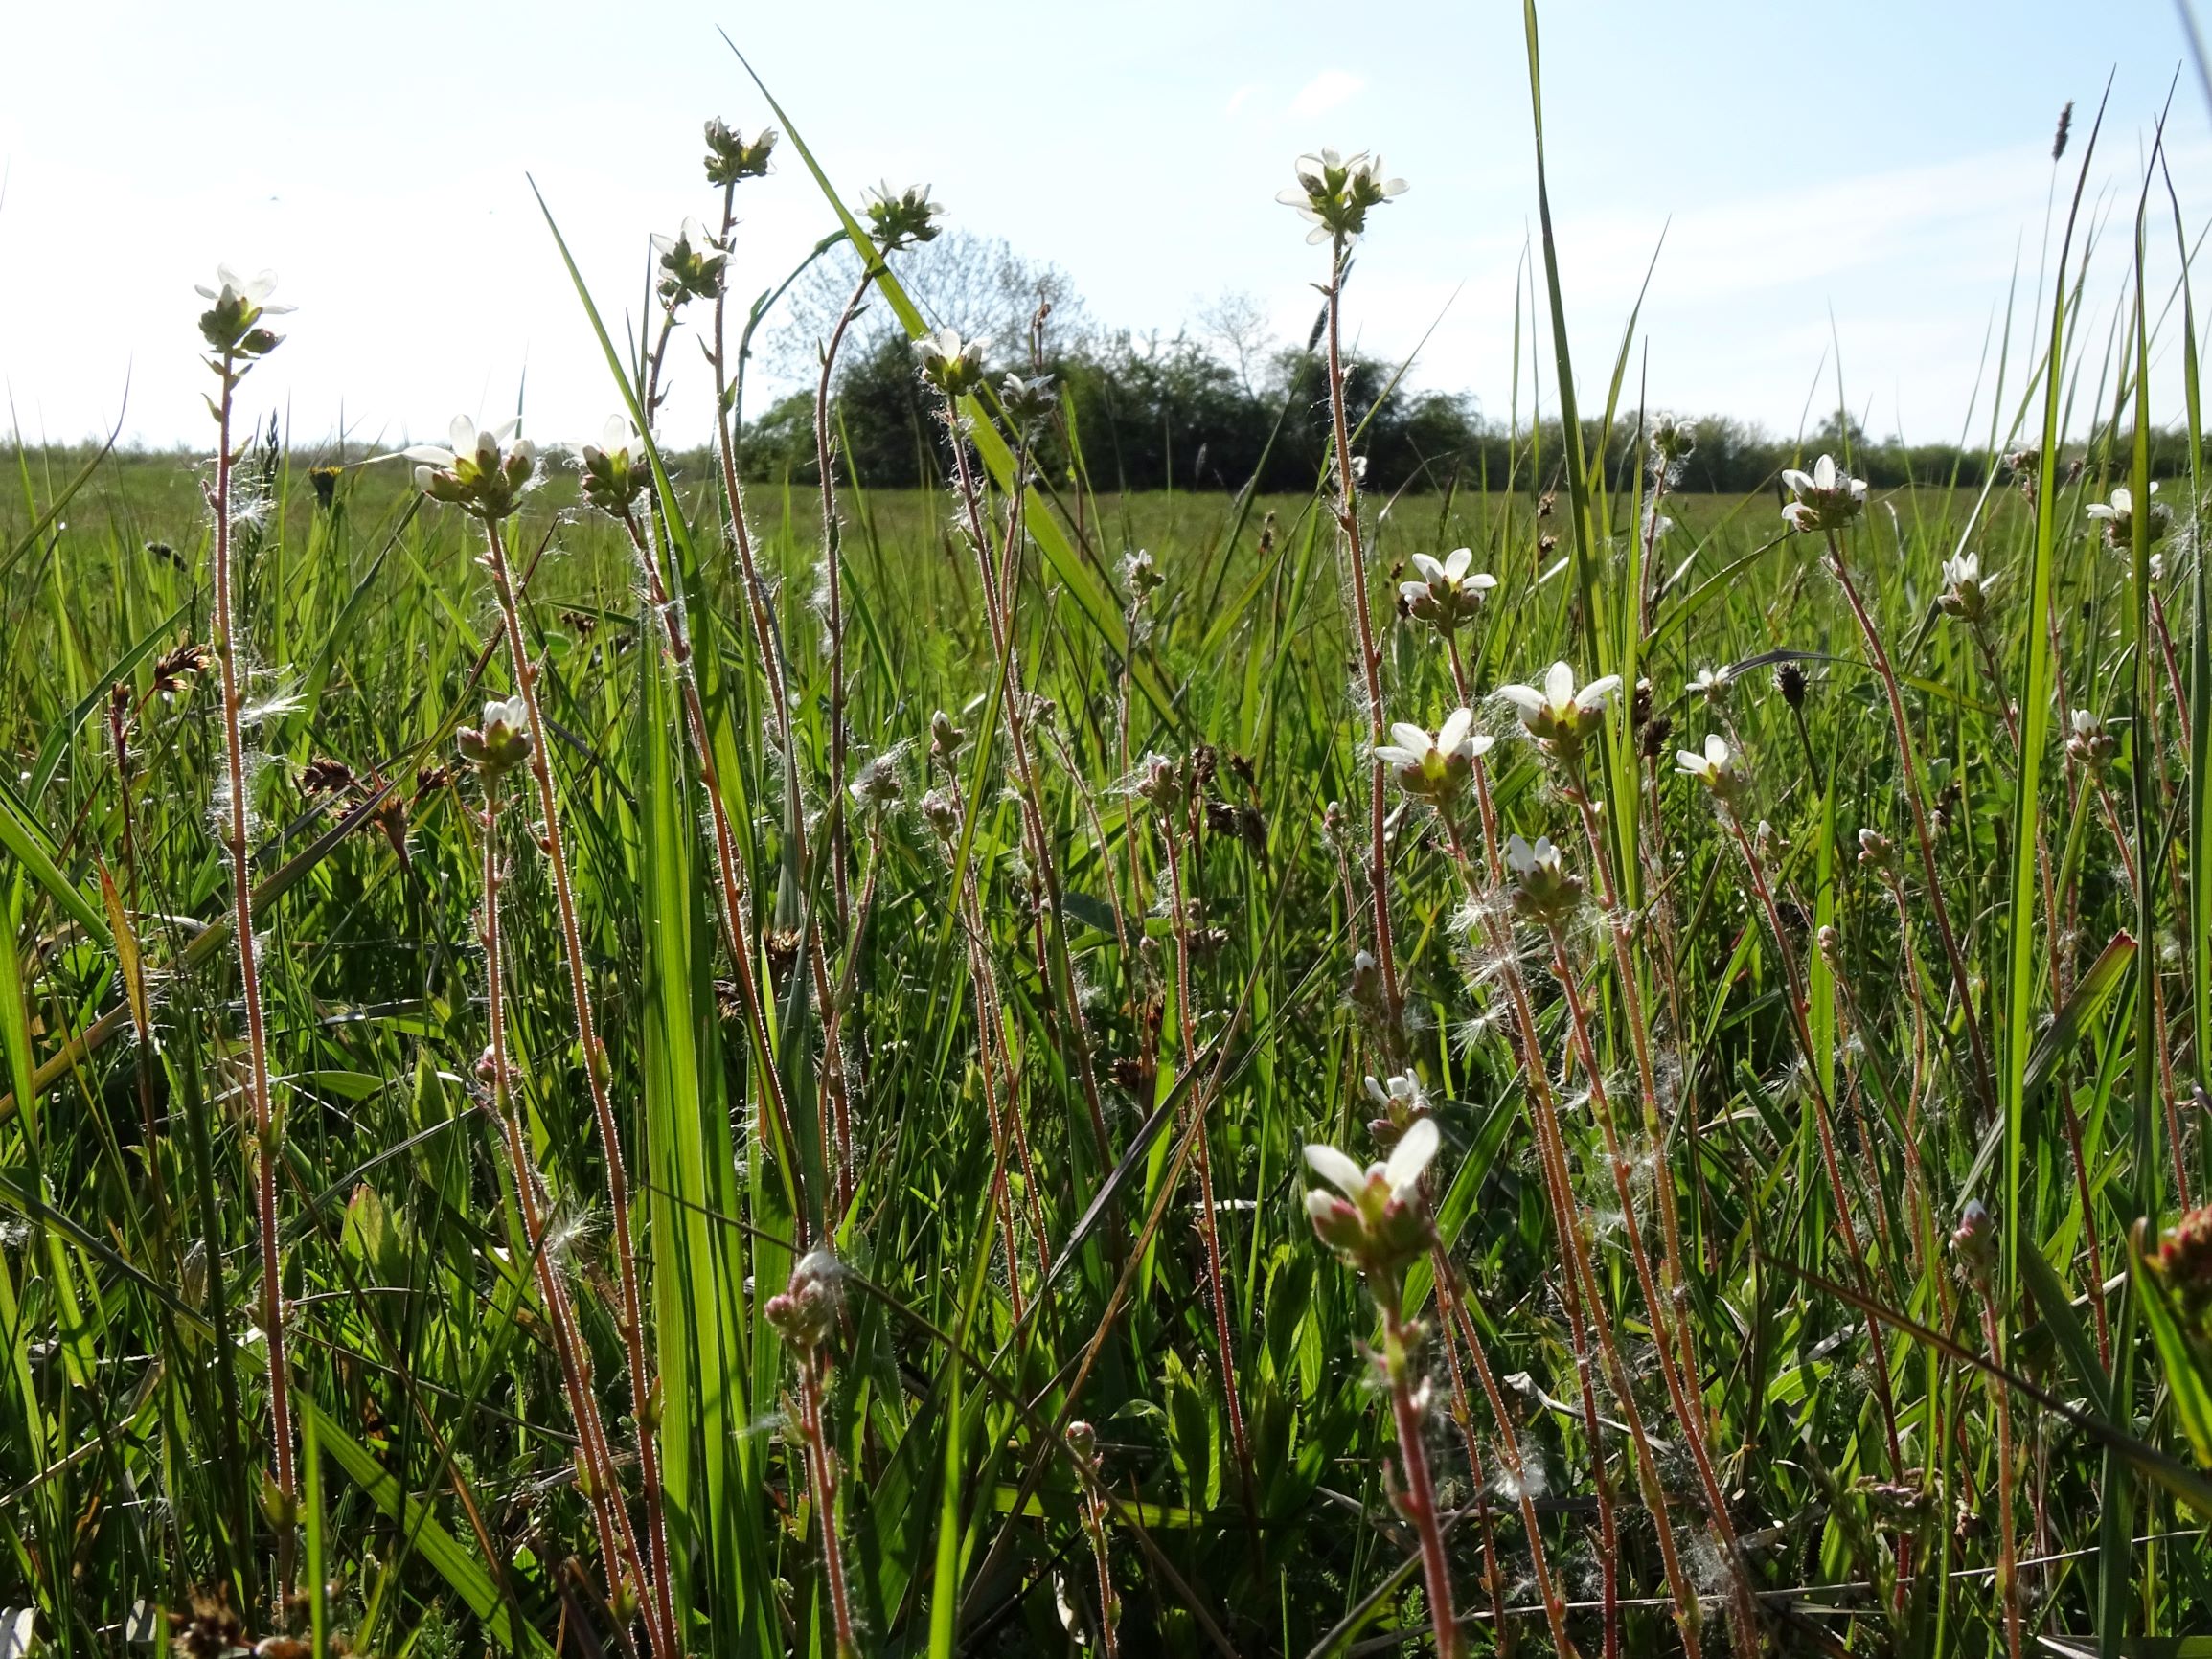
1379,1225
806,1316
232,329
486,477
1335,194
1975,1242
1828,500
1091,1512
495,748
1716,768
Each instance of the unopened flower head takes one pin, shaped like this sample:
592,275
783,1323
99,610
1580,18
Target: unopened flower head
952,365
1026,400
1673,440
484,472
2183,1264
1435,768
900,219
1974,1239
1449,592
502,742
614,469
1828,497
1544,890
1335,192
804,1314
1717,768
733,157
1876,851
692,263
876,787
945,737
1375,1219
1560,715
1163,786
1964,592
2090,741
2117,516
231,323
942,813
1141,576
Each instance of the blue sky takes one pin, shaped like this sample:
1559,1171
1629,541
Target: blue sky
1865,176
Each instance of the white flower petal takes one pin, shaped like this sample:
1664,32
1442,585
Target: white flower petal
462,435
1336,1168
1410,1158
1526,698
1456,726
1559,686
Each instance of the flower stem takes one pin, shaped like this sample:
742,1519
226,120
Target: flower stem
238,810
662,1624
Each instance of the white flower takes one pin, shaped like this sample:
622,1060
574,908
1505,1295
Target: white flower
691,264
2091,746
1401,1102
1711,684
233,289
953,365
1334,192
1559,714
1433,768
1449,592
1964,590
1544,890
613,469
1828,497
2118,518
1394,1180
482,470
1717,768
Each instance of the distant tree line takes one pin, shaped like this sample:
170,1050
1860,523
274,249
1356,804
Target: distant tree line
1141,415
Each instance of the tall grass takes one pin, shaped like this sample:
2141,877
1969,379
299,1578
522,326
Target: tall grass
790,1130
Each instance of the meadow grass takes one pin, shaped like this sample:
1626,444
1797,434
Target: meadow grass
933,930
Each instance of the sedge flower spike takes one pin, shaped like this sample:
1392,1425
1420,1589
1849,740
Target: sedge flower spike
1374,1219
1717,768
1449,592
483,472
1335,192
1828,497
1559,714
1435,768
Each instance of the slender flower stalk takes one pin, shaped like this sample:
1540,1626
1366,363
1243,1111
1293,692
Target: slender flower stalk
1976,1241
486,476
1828,500
1715,770
495,748
1335,194
231,329
804,1314
1091,1512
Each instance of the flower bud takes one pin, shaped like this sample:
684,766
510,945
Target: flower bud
502,744
804,1314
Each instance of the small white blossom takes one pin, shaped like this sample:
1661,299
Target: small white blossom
1828,497
1561,713
1434,768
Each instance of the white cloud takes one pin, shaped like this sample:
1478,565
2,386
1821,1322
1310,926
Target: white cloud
1326,91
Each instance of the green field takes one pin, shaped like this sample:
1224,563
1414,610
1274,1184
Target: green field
976,946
